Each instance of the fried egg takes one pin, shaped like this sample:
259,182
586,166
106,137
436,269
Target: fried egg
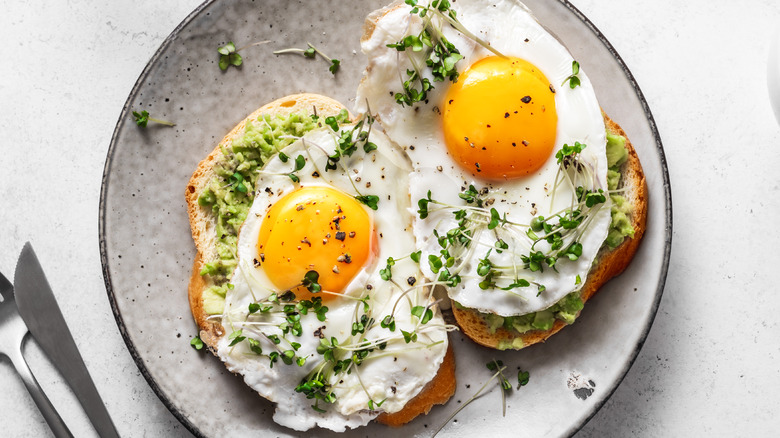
486,145
331,357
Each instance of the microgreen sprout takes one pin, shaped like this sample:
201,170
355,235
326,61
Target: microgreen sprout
373,405
503,383
310,52
236,337
522,378
300,161
228,54
386,272
371,201
142,119
498,372
573,79
424,314
196,343
310,282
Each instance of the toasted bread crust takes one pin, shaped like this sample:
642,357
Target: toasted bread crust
610,262
202,224
436,392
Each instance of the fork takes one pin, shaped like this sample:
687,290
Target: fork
12,333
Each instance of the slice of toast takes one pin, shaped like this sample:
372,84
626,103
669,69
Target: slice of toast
203,226
203,222
610,261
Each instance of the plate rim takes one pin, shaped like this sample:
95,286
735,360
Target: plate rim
667,206
192,428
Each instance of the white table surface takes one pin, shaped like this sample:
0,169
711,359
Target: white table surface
711,363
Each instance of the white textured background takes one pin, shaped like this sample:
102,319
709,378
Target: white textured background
711,364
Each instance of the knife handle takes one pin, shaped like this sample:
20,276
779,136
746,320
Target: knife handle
44,405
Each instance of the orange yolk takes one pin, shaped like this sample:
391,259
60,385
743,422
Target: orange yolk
314,228
499,119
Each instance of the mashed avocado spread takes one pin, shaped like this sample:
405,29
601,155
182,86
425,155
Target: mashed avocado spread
230,193
569,306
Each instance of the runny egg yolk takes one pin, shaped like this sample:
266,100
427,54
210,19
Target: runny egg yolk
499,118
314,228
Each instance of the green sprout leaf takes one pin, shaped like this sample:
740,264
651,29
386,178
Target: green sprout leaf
236,337
409,336
494,219
142,119
522,378
517,283
310,281
334,66
254,346
228,55
371,201
573,79
300,161
386,272
569,151
332,122
372,405
196,343
311,52
369,146
423,206
422,313
388,322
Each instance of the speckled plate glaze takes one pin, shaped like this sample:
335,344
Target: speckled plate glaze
147,251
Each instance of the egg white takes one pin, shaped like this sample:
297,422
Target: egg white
395,374
509,27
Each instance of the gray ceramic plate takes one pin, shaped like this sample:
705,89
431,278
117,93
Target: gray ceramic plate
147,251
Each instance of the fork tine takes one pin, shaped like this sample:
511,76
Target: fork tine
6,285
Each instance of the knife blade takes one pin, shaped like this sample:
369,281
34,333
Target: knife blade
43,317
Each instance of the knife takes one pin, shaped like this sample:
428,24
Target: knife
40,312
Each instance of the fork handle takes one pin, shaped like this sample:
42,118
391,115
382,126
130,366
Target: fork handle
44,405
